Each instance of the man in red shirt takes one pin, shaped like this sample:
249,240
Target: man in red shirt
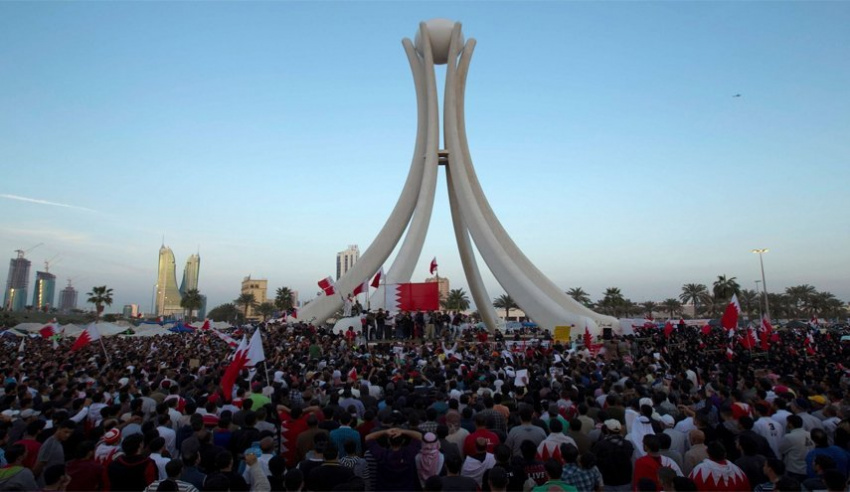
715,473
85,472
480,431
647,466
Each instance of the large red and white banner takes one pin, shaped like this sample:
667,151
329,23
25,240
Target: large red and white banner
412,297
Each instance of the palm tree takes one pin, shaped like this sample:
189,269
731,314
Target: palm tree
799,296
191,301
457,300
649,307
100,296
226,312
724,288
781,306
672,306
749,299
247,301
283,299
505,302
579,295
695,294
266,309
612,301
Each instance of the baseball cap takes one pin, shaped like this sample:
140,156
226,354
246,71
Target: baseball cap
819,399
613,425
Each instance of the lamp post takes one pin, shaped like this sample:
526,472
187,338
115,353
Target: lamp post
758,293
761,252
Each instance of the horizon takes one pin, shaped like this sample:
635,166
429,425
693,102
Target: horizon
254,135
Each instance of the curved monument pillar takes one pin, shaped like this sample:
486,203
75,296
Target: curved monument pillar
440,41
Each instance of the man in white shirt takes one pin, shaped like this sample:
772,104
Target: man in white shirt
767,427
156,447
167,433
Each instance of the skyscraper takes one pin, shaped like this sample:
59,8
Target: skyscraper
44,291
67,299
190,274
17,283
346,259
168,297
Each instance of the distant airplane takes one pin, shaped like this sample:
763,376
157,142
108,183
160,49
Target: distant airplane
737,95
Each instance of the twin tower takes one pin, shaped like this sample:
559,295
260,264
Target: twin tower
168,296
440,42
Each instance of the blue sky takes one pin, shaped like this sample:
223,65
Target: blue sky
270,135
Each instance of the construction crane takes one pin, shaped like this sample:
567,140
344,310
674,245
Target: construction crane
49,262
22,252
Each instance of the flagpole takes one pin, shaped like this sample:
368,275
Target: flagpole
102,345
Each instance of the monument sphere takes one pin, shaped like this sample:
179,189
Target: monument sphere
440,32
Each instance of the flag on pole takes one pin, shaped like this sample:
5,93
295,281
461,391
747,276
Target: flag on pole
730,316
255,354
364,287
433,265
765,333
327,285
88,335
49,330
378,276
233,370
748,341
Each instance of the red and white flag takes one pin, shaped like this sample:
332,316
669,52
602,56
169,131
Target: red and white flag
433,265
378,276
327,285
364,287
240,358
765,333
226,338
256,354
206,325
748,341
730,354
88,335
412,297
706,329
352,374
588,340
668,329
730,316
49,329
811,348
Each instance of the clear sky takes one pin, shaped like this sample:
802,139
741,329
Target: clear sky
270,135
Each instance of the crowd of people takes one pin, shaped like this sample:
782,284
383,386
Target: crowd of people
646,412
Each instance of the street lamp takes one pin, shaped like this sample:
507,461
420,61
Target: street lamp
758,293
761,252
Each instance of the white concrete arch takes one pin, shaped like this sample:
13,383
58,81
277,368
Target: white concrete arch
440,41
